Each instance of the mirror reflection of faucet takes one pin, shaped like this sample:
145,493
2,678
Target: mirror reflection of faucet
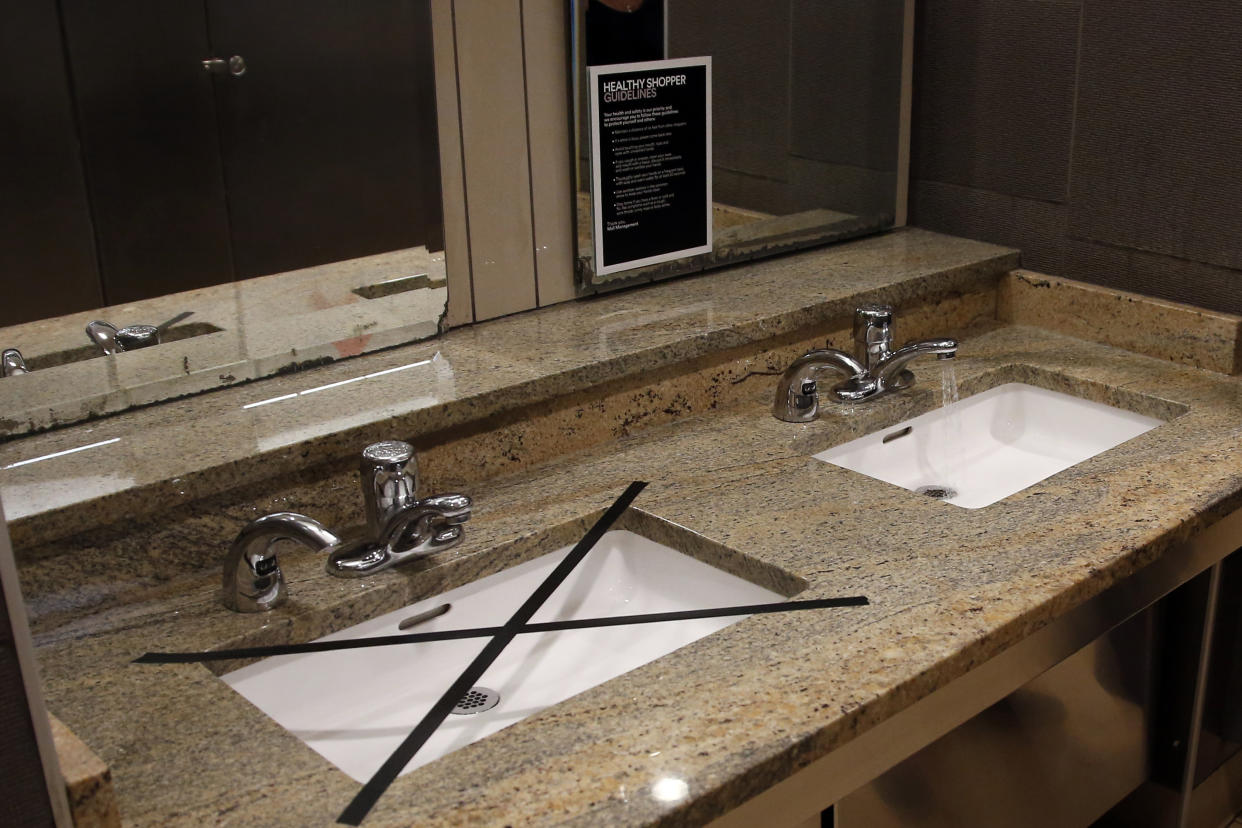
12,364
113,340
876,369
400,528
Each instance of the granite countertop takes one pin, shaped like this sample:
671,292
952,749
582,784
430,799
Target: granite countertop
731,714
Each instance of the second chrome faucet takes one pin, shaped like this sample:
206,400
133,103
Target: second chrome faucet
875,370
400,528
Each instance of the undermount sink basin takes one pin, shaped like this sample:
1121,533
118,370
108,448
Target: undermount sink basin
988,446
355,706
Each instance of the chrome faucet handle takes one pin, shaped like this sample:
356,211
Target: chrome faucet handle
133,337
388,473
873,334
252,580
12,364
429,526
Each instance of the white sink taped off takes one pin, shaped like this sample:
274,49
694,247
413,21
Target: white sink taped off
355,706
990,445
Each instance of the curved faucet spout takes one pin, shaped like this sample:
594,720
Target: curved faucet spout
12,364
797,398
429,526
103,335
253,581
891,371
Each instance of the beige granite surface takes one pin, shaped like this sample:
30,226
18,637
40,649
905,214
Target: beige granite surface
731,714
1181,333
88,781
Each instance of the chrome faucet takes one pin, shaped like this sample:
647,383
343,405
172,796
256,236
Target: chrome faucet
253,581
877,368
12,364
400,527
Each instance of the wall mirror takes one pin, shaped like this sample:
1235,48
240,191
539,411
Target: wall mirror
259,181
809,115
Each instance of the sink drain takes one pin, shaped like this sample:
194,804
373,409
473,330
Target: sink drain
938,492
476,700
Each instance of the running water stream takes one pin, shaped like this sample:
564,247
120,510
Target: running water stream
951,438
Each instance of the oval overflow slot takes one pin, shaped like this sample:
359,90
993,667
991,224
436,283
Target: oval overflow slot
897,435
415,620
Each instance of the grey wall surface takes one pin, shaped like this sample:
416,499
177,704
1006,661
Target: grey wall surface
1102,137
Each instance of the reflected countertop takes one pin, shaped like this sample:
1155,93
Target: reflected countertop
232,333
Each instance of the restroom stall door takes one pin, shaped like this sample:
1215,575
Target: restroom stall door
329,138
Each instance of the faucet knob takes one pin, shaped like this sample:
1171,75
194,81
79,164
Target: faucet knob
875,313
12,364
133,337
389,478
873,333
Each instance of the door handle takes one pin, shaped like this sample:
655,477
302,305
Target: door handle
235,66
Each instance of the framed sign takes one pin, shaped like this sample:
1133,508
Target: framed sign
651,162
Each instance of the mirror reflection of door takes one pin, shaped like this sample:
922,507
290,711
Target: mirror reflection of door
329,138
323,150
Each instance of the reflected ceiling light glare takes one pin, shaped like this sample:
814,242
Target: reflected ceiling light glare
670,789
400,278
272,400
330,385
61,453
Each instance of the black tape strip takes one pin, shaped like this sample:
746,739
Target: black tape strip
482,632
375,787
314,646
687,615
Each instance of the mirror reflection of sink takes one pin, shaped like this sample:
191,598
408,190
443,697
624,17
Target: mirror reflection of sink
355,706
990,445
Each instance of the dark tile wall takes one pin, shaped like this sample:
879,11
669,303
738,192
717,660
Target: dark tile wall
1102,137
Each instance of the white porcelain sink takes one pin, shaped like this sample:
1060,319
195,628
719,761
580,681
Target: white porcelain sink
355,706
989,446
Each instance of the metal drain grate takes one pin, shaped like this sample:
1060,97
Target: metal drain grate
938,492
477,700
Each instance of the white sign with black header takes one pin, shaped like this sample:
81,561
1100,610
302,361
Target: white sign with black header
651,162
